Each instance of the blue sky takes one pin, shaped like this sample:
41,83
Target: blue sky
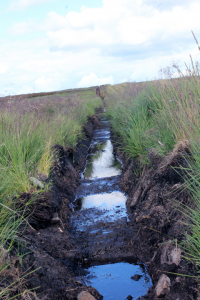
38,12
58,44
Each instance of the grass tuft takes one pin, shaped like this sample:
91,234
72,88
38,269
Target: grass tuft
163,116
29,128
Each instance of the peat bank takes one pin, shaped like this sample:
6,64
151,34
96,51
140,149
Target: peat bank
101,231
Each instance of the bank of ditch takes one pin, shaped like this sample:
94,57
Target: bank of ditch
95,216
86,233
155,131
84,236
37,135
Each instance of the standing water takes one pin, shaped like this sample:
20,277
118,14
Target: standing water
100,224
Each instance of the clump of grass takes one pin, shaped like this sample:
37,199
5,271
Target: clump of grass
133,117
156,114
29,128
161,115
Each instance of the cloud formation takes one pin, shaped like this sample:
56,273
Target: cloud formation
127,28
4,68
21,28
92,80
23,4
122,39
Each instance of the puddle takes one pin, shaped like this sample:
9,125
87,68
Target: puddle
100,224
103,163
114,281
105,201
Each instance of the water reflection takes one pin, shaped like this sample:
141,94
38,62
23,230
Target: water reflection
114,281
106,201
103,163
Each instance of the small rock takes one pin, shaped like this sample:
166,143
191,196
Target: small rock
36,182
170,254
134,202
129,297
135,198
55,218
163,286
85,296
136,277
176,256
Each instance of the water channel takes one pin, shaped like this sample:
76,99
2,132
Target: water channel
99,222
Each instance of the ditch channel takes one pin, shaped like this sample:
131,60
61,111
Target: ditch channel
100,225
103,228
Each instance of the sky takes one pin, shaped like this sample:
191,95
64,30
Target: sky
49,45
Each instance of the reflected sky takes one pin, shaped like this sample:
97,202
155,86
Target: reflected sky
106,201
103,163
114,281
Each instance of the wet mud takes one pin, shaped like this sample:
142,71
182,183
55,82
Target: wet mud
93,228
99,222
108,216
49,249
156,221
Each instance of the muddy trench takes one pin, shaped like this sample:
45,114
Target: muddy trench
104,230
99,223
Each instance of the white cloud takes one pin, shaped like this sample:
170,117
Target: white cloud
4,68
26,89
130,39
128,28
47,84
167,4
20,28
23,4
93,80
125,28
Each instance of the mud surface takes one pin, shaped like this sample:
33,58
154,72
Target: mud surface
93,227
99,222
53,253
87,235
156,222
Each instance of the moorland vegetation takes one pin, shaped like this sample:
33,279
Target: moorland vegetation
29,129
162,116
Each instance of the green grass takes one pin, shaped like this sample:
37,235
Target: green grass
137,120
160,115
29,128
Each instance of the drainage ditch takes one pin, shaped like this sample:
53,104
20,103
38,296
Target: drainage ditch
99,223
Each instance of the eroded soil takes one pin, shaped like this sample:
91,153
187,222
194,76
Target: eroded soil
61,251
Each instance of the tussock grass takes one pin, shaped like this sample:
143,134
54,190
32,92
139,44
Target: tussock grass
161,115
29,128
